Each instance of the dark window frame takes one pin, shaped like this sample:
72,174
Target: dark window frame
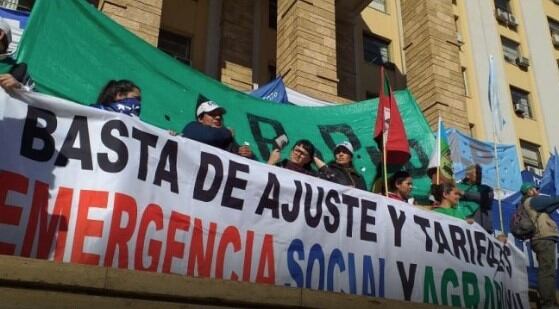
171,42
373,52
518,93
507,45
536,163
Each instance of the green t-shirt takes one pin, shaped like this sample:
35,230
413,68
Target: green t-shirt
468,208
457,212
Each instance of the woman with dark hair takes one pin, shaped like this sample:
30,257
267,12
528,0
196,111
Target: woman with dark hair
341,170
300,158
447,196
121,96
400,185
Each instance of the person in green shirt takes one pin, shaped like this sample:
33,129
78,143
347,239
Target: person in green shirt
477,199
447,197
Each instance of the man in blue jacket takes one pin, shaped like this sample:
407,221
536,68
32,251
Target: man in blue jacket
208,129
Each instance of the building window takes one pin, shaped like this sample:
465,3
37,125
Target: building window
511,50
379,5
531,157
273,14
554,30
375,49
272,72
176,45
503,5
465,82
521,102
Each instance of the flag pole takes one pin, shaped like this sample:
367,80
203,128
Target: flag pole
498,181
385,171
497,127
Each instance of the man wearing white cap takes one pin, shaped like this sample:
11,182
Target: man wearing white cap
341,170
208,129
15,76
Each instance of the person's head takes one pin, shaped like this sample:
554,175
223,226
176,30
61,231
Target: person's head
302,153
473,174
5,36
528,189
401,183
344,153
210,114
446,193
118,90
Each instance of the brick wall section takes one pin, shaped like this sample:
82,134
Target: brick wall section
236,44
142,17
306,47
434,71
345,40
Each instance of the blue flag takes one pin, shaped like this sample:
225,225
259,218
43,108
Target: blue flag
550,179
273,91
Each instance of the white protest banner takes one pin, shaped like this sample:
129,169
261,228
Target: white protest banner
81,185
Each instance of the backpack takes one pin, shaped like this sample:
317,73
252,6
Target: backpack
521,226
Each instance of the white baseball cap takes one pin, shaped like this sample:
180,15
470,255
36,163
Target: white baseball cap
347,145
208,106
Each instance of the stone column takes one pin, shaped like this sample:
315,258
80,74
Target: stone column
346,58
306,47
236,43
141,17
432,56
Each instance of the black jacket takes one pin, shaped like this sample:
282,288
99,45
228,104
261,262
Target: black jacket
290,166
346,176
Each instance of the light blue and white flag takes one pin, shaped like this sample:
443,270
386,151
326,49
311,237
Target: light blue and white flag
494,102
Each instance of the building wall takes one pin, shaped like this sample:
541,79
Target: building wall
471,91
141,17
484,37
188,18
543,56
385,25
432,58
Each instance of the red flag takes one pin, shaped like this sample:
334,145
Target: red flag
389,124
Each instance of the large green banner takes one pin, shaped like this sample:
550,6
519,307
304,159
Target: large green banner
72,50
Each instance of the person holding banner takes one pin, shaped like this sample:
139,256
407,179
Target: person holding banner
544,240
341,170
447,196
400,185
208,129
300,158
120,96
15,76
477,199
